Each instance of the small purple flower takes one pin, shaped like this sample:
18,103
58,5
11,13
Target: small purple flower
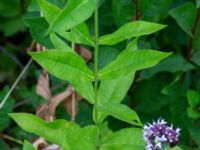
158,134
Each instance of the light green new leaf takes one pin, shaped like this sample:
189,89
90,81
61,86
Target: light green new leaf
68,66
129,30
74,13
125,139
49,10
28,146
129,61
64,65
59,43
185,16
121,112
82,138
54,132
79,34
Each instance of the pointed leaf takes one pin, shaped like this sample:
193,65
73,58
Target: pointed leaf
125,139
59,43
28,146
79,34
185,16
47,130
129,30
74,13
64,65
130,61
121,112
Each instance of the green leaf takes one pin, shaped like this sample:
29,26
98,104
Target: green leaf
85,89
193,98
86,137
7,108
74,13
130,61
129,30
49,10
28,146
54,132
59,43
185,16
125,139
68,66
38,27
192,113
64,65
121,112
79,34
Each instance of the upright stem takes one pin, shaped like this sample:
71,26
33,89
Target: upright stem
194,29
96,59
137,17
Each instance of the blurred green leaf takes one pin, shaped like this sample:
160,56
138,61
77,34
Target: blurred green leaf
129,30
185,16
193,98
38,27
198,3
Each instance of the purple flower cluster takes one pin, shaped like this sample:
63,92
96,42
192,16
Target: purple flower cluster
158,134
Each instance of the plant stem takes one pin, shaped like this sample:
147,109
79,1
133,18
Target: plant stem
15,83
190,47
96,60
137,17
7,137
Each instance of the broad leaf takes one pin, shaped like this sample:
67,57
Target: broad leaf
47,130
185,16
49,10
130,61
79,34
64,65
74,13
129,30
28,146
120,111
59,43
86,137
125,139
68,66
38,27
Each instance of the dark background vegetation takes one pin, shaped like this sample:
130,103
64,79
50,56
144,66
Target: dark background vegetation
162,91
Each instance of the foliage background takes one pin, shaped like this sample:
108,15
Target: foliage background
162,91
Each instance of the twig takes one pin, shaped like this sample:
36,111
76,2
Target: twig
14,58
73,114
15,83
137,17
7,137
194,29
